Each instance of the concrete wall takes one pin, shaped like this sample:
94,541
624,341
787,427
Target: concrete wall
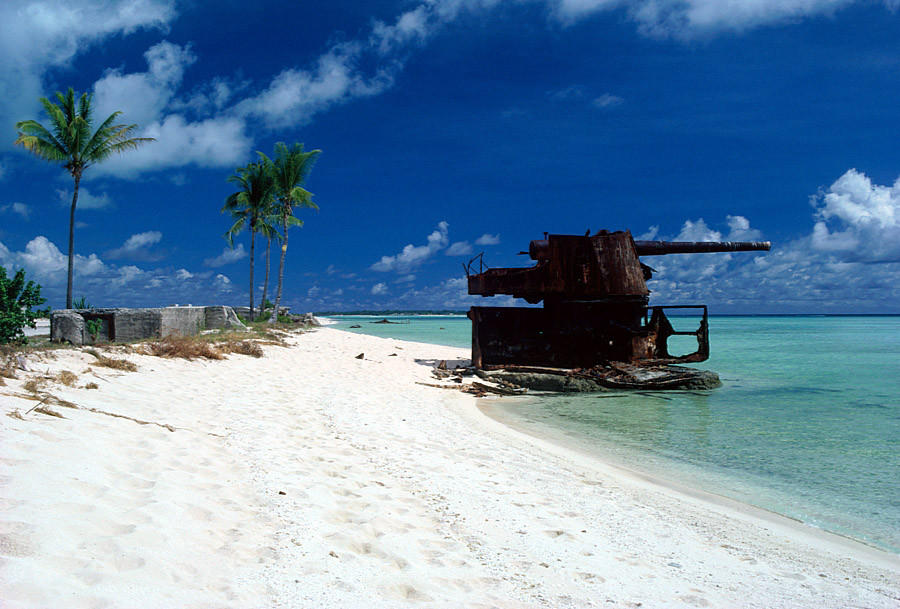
122,325
134,324
182,320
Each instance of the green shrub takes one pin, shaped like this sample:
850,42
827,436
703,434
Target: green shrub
93,327
82,303
16,300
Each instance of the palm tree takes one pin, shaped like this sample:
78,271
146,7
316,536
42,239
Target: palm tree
268,228
70,141
250,206
290,169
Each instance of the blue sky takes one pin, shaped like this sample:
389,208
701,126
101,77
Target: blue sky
452,127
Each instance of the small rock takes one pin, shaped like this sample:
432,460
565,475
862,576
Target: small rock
360,356
282,493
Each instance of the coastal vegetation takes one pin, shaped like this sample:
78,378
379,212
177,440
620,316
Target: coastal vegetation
71,140
17,298
251,207
290,169
268,193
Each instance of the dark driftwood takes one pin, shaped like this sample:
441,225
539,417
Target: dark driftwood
498,390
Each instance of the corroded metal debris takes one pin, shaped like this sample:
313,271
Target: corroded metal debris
596,320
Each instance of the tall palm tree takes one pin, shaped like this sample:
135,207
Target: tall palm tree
71,141
268,228
250,206
290,169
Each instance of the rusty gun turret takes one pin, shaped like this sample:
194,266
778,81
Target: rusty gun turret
595,303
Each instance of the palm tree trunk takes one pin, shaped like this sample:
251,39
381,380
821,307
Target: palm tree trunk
284,245
72,242
252,259
262,303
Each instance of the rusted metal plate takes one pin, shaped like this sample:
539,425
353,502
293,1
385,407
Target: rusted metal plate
576,335
570,266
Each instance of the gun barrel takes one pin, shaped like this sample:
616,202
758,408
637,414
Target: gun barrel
539,249
661,248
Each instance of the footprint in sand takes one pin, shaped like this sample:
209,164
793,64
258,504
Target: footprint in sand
88,577
112,529
694,600
73,509
133,483
405,592
199,513
127,562
15,545
89,489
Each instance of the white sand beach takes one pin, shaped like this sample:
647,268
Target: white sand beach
310,478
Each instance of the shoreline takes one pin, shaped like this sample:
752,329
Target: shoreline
661,477
311,478
591,461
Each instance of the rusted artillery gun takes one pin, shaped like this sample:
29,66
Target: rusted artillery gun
595,305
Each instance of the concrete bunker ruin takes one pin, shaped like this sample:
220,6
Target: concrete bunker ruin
86,326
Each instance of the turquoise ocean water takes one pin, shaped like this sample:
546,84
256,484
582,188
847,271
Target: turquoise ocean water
806,424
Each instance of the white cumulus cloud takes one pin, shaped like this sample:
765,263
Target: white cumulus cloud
488,239
607,101
227,256
16,208
219,141
460,248
86,199
379,288
858,220
37,36
43,261
143,96
413,256
110,285
848,262
688,18
136,246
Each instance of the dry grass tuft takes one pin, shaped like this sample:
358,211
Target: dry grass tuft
66,378
15,414
243,347
92,386
8,370
61,402
186,347
2,382
116,364
33,385
49,412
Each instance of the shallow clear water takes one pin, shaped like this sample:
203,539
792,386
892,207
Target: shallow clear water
806,424
450,330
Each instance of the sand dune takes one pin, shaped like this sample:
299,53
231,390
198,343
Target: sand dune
309,478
